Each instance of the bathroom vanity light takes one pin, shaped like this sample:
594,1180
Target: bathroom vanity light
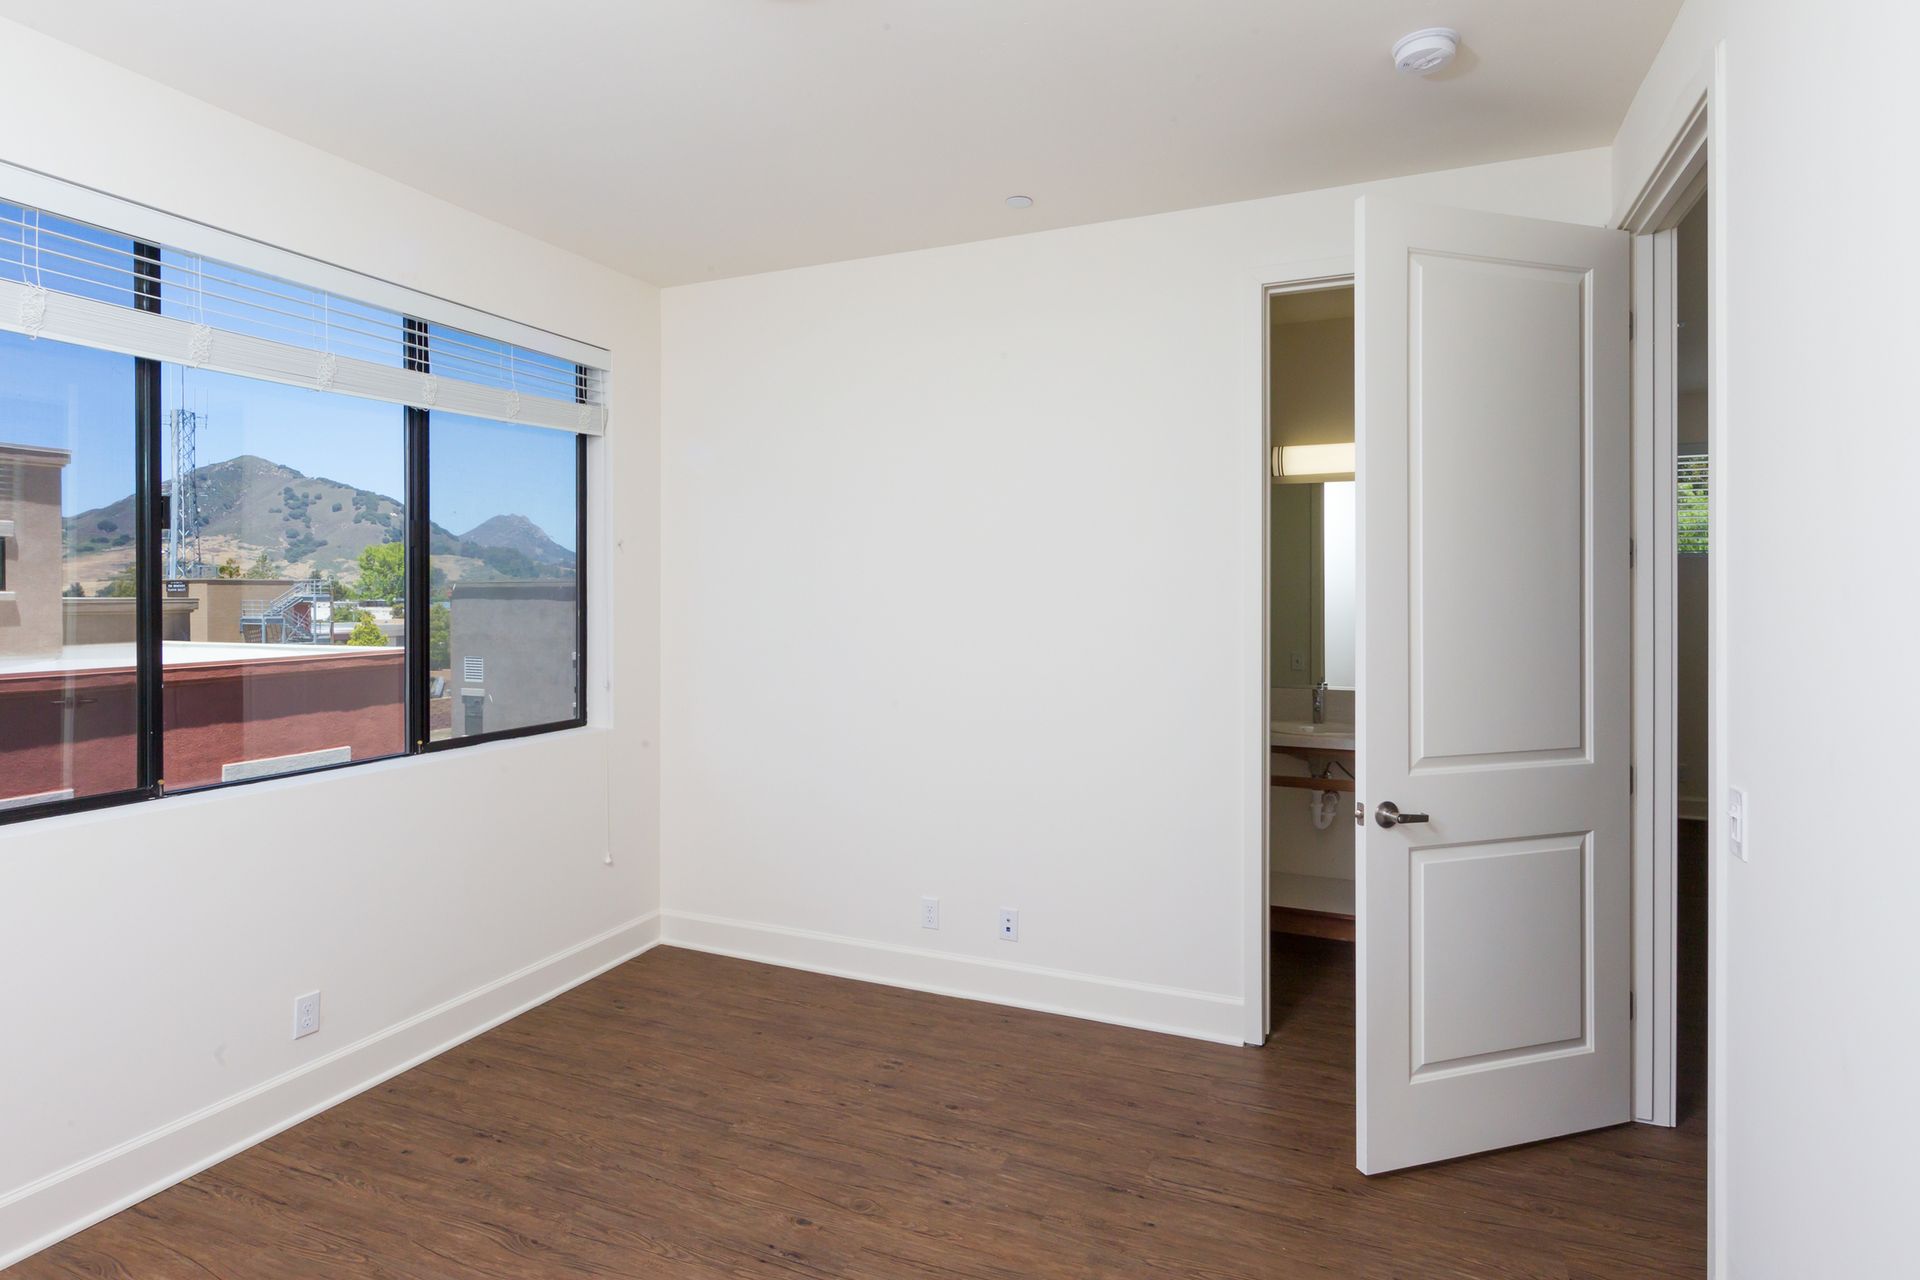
1313,461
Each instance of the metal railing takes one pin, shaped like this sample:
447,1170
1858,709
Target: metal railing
288,618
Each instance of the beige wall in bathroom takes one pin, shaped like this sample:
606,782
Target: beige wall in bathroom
1293,565
1311,365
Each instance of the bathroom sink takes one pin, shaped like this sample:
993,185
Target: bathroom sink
1334,735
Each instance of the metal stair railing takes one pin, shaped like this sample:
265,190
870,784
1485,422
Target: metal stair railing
282,612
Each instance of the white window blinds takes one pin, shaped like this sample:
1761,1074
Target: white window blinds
1692,485
78,283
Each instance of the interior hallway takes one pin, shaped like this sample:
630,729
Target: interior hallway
691,1116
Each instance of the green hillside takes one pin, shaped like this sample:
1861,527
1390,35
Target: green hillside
303,526
250,506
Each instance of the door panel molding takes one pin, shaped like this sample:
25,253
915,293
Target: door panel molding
1495,941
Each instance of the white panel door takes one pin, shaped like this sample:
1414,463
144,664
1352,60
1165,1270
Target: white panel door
1495,936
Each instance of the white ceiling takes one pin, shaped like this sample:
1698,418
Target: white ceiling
684,139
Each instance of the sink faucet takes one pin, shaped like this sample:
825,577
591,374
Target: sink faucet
1320,703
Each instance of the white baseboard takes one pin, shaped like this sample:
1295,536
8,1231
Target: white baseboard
1201,1015
72,1199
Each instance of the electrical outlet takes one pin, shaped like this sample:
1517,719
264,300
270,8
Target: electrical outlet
929,913
306,1014
1009,925
1299,661
1737,823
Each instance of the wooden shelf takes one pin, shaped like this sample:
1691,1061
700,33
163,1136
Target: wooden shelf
1312,924
1311,784
1314,753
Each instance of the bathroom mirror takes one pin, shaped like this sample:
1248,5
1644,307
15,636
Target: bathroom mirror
1312,560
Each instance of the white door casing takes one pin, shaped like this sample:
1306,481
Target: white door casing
1494,940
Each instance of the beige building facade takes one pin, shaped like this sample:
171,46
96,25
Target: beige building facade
31,557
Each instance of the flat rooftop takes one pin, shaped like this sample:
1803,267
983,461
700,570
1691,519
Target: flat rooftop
119,656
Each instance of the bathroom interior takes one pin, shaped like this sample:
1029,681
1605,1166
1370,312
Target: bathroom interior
1312,571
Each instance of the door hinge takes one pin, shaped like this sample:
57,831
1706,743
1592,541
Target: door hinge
1632,779
1631,1012
1630,326
1633,553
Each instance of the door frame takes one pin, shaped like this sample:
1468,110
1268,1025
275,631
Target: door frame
1666,194
1663,191
1669,194
1666,190
1309,275
1655,662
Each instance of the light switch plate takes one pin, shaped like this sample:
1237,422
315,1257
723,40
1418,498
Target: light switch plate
1738,821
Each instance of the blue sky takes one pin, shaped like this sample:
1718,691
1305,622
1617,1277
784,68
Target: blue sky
479,468
66,397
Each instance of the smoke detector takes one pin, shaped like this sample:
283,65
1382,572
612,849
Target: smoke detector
1423,52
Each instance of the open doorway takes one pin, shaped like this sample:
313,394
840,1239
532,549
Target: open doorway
1692,468
1477,846
1311,567
1311,605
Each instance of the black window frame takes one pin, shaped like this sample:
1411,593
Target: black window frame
146,570
423,676
149,518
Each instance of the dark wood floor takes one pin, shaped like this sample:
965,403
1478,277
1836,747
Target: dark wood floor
690,1116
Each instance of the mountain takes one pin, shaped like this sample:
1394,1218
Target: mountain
505,546
517,533
308,526
250,506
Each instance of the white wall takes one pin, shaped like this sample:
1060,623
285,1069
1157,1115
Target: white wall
151,953
1308,867
1816,1115
961,597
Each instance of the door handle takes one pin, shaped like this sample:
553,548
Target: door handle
1389,816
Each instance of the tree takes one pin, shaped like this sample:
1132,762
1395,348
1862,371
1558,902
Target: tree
1691,500
383,572
229,568
439,637
122,583
367,633
262,568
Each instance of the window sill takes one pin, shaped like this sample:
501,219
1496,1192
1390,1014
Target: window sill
7,597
